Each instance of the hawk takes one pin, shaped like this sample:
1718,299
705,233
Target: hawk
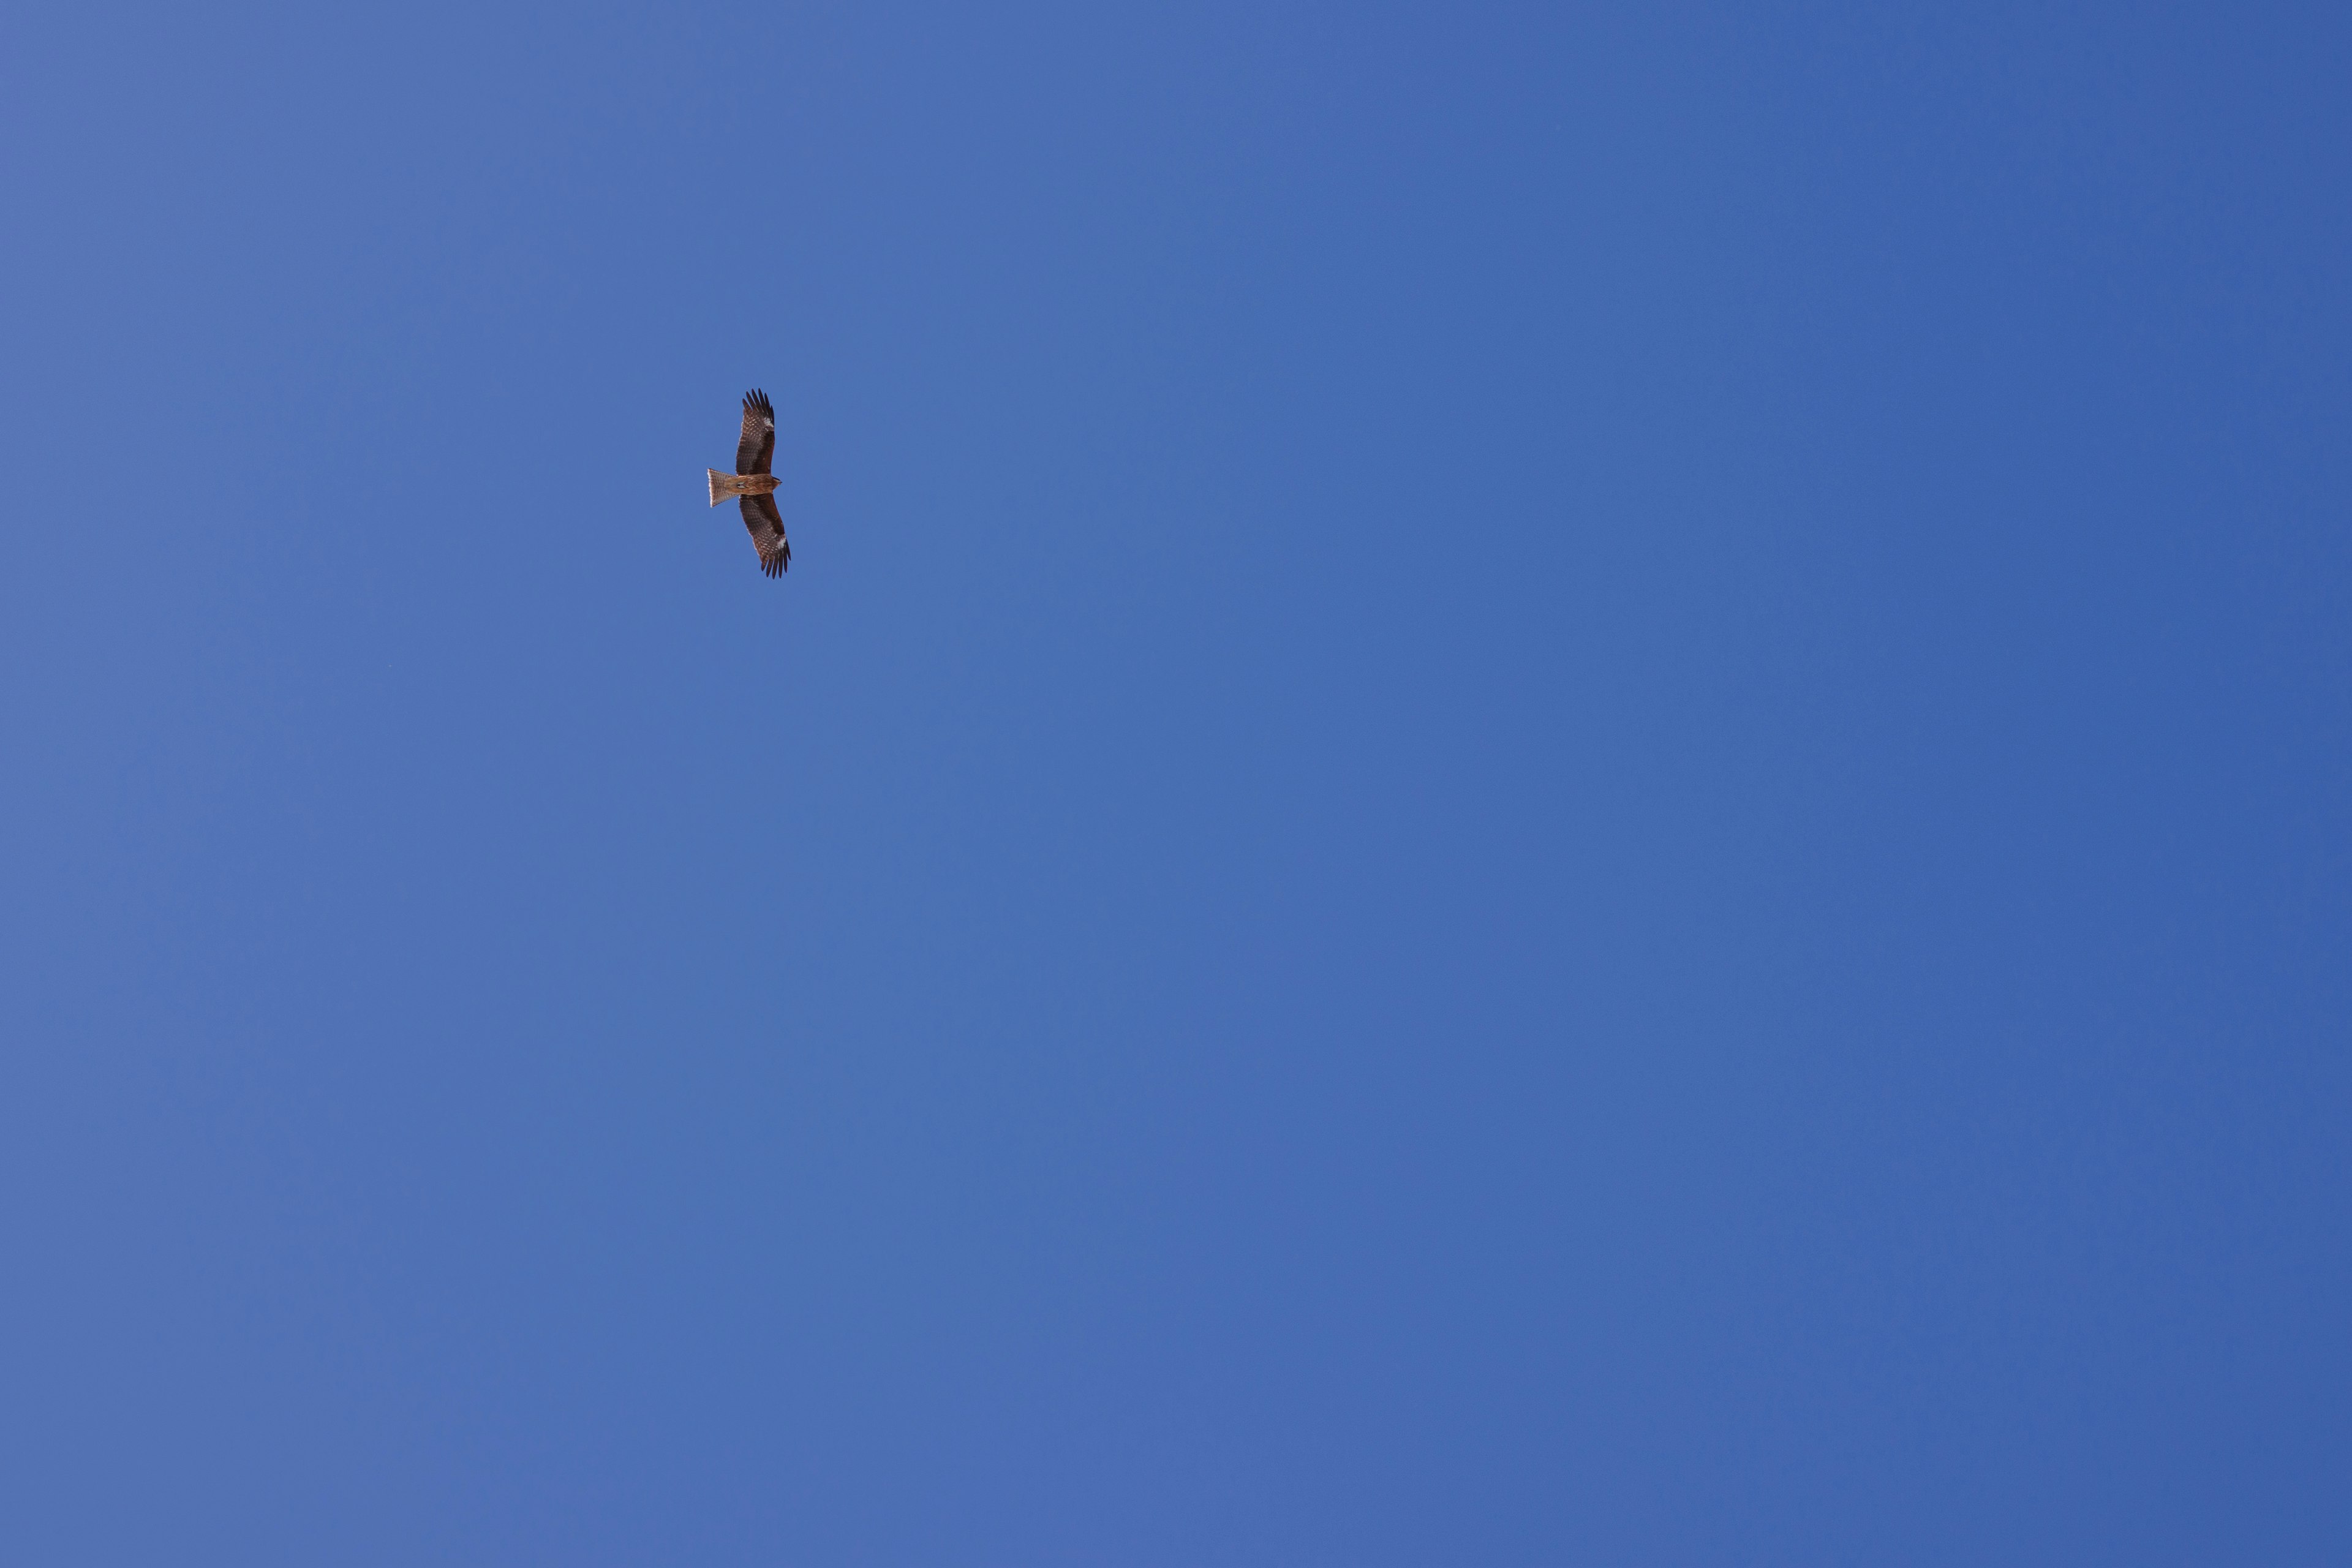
756,486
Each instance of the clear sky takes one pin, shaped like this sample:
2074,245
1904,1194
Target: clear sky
1539,784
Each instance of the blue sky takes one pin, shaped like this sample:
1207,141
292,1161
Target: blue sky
1539,784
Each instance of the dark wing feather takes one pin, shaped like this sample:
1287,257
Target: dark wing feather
758,447
767,526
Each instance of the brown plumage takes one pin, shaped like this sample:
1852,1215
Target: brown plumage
754,484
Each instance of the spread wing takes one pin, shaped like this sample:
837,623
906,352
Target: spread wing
758,447
767,526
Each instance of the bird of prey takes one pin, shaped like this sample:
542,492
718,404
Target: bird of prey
756,486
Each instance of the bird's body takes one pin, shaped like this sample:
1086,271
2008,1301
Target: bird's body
753,485
725,485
